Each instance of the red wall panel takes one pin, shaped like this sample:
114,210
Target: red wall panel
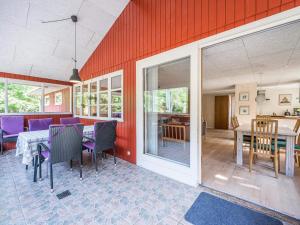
148,27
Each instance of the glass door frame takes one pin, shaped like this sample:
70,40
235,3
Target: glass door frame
182,173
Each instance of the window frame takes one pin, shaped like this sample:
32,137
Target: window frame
109,77
6,81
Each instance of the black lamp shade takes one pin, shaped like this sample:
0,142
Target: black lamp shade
75,78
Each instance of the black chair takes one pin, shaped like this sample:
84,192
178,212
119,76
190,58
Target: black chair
65,145
104,139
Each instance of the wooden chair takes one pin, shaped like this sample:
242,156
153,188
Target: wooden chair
172,132
282,144
297,151
234,124
264,137
246,140
297,126
297,142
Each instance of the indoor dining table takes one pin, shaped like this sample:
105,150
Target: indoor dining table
284,133
28,141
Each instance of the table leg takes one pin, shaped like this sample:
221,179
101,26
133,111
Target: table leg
239,150
289,157
35,168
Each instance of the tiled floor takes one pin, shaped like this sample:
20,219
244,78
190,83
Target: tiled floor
122,194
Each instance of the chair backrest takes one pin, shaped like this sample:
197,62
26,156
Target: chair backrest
234,122
264,136
39,124
12,124
297,125
69,120
65,142
105,135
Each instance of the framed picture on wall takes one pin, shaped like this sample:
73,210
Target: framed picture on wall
244,110
285,99
244,96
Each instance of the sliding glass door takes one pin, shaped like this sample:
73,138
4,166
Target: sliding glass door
167,114
166,111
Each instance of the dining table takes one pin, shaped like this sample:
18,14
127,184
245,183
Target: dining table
27,142
284,133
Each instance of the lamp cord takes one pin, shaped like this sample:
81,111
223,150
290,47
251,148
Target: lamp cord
75,60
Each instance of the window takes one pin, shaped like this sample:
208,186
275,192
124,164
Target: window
85,102
47,100
58,98
101,97
21,96
173,100
2,97
77,101
93,98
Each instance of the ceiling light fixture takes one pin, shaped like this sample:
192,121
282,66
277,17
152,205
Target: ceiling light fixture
75,78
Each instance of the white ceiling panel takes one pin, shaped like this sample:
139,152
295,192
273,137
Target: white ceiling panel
30,47
268,57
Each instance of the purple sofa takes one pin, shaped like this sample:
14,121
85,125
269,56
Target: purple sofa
11,126
39,124
69,120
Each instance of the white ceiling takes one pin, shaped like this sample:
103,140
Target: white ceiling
271,57
30,47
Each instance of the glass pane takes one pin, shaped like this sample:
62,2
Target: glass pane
179,100
85,100
77,100
57,98
93,99
93,110
116,111
116,82
2,97
116,97
166,111
103,110
24,98
103,85
103,98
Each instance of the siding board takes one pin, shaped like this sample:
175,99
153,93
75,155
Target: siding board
147,27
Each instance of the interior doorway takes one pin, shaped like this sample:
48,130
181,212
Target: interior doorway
256,71
222,112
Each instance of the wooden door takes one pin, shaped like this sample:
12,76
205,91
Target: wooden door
221,112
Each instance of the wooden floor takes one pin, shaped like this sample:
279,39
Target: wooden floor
220,172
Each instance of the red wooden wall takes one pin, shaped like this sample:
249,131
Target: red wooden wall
148,27
64,107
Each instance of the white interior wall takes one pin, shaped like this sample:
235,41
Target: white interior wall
251,89
272,106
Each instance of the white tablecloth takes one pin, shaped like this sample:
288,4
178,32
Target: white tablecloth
27,142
